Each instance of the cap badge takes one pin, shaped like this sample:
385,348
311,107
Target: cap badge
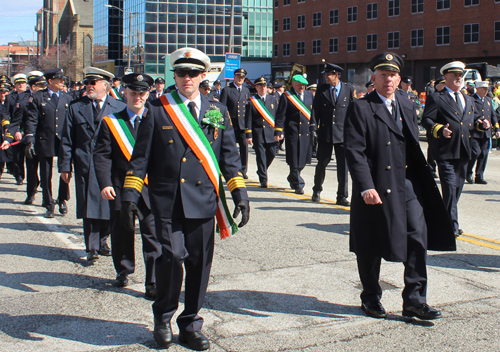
140,78
389,57
187,54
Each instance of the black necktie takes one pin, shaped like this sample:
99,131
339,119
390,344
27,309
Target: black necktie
394,114
459,102
55,98
263,100
334,95
137,121
192,110
97,108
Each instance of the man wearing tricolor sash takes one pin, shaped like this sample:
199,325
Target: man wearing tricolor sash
117,91
114,147
294,114
260,128
184,145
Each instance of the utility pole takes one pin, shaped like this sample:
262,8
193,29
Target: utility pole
231,28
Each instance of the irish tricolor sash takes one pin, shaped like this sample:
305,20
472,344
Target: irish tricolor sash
190,130
298,104
115,94
123,137
261,108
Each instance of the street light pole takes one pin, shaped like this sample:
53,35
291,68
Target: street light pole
231,28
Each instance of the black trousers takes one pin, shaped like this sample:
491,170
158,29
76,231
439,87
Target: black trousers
296,181
96,233
265,154
32,180
452,177
46,181
123,247
480,148
430,158
415,273
18,161
241,140
324,155
188,242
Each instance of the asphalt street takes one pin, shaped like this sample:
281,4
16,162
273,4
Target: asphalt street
285,282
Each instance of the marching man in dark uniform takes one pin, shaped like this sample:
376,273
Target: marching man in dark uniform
46,117
235,97
117,91
159,89
294,113
397,212
330,106
217,91
449,116
184,144
114,147
78,143
260,128
481,136
205,89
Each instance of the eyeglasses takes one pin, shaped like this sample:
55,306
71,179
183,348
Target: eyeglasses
91,82
190,73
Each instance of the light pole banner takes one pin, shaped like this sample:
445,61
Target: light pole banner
232,64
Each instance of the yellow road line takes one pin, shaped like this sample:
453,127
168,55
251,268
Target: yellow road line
483,241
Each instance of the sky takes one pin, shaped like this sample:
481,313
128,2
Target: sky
18,17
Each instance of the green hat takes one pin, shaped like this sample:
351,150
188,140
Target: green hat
300,79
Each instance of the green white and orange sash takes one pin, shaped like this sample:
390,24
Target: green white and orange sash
115,94
190,130
261,108
294,99
123,136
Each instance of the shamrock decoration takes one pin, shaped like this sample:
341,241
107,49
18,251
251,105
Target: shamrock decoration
214,118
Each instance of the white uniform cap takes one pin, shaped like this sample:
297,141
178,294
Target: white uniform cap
454,66
482,84
190,59
33,74
97,73
20,77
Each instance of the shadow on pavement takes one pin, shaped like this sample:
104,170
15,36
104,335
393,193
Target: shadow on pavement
486,193
87,330
482,262
315,210
341,229
35,251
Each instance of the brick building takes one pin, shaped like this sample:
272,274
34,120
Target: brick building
425,33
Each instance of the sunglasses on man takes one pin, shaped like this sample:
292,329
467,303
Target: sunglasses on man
91,82
190,73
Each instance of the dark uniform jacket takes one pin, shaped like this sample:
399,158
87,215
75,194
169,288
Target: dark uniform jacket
77,146
296,129
111,165
441,109
236,102
16,105
486,112
179,187
154,94
380,157
329,117
256,127
215,94
45,122
5,134
170,88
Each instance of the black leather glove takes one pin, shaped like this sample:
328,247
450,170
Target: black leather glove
128,211
29,151
243,207
313,137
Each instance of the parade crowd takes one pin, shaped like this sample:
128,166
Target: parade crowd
136,150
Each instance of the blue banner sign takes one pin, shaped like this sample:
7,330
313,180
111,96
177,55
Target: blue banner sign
232,64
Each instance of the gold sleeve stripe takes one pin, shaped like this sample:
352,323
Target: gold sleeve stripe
435,129
478,126
5,122
248,131
133,182
236,182
278,129
497,125
8,135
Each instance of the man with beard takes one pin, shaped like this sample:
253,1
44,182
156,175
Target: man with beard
78,142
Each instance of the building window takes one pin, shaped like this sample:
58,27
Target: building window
276,50
352,14
301,48
417,37
286,24
371,41
317,46
316,19
301,21
299,1
443,4
276,3
276,26
471,2
334,16
352,44
286,49
286,2
417,6
372,11
333,45
393,40
443,36
497,31
393,8
471,33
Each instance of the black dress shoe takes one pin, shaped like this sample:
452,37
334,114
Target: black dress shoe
49,214
422,311
458,233
374,309
299,191
92,255
481,181
315,197
150,292
469,179
163,334
195,339
29,200
121,281
19,182
343,201
105,250
63,208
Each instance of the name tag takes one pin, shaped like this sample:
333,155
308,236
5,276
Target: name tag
167,127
